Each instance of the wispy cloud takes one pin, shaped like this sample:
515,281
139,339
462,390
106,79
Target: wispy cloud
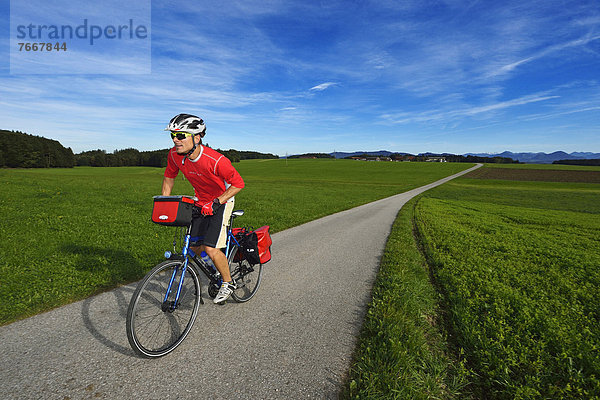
322,86
545,52
505,104
258,70
447,116
557,114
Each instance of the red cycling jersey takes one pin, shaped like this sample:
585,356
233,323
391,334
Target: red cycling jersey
210,174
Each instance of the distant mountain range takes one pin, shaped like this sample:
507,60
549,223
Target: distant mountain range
533,158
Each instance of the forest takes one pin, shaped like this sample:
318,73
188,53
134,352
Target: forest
21,150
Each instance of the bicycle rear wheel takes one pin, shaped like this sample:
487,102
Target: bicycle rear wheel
155,327
246,277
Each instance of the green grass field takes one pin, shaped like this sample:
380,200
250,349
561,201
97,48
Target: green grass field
402,352
500,301
71,233
506,306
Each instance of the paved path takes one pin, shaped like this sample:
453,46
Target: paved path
294,340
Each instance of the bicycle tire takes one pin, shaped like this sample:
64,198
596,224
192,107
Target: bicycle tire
247,277
151,331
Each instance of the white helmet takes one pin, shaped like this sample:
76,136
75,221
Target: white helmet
187,123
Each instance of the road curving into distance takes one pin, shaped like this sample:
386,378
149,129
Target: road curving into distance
294,339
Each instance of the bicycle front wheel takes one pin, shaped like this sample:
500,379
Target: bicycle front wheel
247,277
155,327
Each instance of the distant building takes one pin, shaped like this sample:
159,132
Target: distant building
436,159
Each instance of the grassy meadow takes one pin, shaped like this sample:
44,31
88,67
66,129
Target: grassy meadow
403,351
488,288
70,233
510,277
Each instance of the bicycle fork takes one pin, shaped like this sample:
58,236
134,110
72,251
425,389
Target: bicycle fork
171,305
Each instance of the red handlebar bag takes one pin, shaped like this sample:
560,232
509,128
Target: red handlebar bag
172,210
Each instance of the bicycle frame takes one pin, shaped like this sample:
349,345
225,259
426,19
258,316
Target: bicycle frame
171,306
213,277
154,330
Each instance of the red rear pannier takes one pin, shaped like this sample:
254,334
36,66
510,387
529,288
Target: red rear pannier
239,233
264,243
263,246
172,210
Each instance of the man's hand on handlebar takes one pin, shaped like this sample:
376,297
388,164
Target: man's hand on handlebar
211,208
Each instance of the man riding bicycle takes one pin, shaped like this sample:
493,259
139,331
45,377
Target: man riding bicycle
215,182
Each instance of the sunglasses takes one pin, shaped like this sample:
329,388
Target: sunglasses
180,135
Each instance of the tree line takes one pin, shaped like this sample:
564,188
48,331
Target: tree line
155,158
477,159
21,150
122,158
587,161
311,155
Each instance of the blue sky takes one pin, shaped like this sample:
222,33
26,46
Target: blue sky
318,76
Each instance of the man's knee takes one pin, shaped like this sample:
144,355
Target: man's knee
210,250
197,249
214,253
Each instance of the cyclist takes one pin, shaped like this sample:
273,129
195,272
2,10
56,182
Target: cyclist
215,182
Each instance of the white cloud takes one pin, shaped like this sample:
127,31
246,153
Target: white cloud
546,52
447,116
242,61
322,86
505,104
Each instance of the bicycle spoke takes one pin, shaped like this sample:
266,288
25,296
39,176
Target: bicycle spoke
151,331
247,277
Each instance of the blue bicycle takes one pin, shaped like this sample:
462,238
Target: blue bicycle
165,304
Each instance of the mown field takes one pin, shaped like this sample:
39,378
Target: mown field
70,233
542,174
506,306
